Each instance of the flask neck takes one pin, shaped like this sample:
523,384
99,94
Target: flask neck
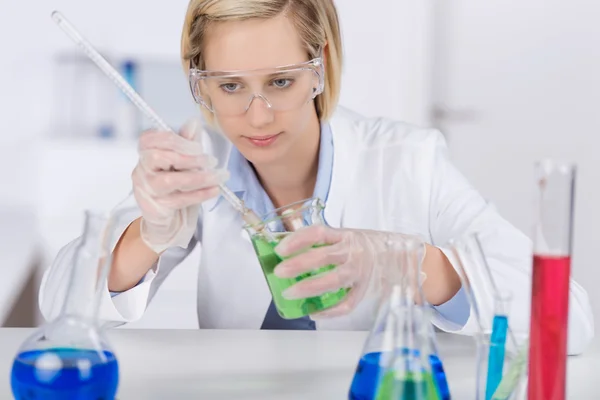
86,268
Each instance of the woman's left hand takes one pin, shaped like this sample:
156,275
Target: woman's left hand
364,259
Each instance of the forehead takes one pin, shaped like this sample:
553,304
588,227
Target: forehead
253,44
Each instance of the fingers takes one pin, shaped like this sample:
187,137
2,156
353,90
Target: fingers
308,237
161,140
331,281
192,130
163,208
165,160
165,183
312,259
181,200
344,307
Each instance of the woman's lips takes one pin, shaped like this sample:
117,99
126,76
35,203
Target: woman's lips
263,141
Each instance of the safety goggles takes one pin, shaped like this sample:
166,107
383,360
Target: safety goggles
231,93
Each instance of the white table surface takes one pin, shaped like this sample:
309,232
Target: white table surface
18,249
235,364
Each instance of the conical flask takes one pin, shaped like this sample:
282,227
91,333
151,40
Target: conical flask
378,349
408,375
69,358
416,371
395,322
415,277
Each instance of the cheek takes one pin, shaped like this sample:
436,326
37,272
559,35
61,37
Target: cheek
295,121
232,127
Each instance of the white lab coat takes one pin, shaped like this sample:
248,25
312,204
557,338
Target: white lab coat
387,175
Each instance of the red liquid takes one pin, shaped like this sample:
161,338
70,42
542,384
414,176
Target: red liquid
548,335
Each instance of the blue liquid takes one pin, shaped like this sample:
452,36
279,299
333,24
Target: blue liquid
496,355
366,378
439,377
80,374
369,374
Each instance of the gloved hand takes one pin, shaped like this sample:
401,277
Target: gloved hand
172,177
366,261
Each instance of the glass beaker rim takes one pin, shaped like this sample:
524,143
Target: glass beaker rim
274,215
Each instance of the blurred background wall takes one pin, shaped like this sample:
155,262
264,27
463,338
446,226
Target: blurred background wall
507,83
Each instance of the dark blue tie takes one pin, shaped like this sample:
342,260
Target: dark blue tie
274,321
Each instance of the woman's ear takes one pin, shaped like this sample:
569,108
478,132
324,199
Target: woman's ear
324,53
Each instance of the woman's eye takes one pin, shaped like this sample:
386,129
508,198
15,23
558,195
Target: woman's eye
282,83
230,87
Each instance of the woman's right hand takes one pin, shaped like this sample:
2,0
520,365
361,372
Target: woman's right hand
172,177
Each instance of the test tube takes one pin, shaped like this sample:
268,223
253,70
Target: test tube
550,280
497,345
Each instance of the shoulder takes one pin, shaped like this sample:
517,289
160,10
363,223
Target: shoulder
379,133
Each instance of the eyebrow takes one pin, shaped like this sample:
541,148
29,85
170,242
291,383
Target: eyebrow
241,77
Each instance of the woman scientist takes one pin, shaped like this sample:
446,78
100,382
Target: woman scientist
278,137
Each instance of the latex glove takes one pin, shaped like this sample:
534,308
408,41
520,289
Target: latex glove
366,261
173,176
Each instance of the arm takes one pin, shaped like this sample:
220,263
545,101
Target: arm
124,307
442,282
132,259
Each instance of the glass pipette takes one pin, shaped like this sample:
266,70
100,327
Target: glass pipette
248,215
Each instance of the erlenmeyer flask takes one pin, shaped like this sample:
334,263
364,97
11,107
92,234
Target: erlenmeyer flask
69,358
378,349
414,279
408,375
395,322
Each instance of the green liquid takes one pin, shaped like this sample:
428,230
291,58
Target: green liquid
291,309
409,387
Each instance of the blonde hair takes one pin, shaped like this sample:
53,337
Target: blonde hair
316,22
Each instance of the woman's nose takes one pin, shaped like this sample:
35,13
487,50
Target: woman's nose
260,112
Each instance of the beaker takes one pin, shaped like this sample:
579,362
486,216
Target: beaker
488,363
69,357
513,385
491,310
550,280
265,236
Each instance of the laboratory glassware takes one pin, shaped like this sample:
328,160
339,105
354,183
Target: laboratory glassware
267,234
553,233
400,356
69,357
409,375
378,349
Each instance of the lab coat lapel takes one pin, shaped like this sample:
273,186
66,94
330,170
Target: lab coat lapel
343,133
